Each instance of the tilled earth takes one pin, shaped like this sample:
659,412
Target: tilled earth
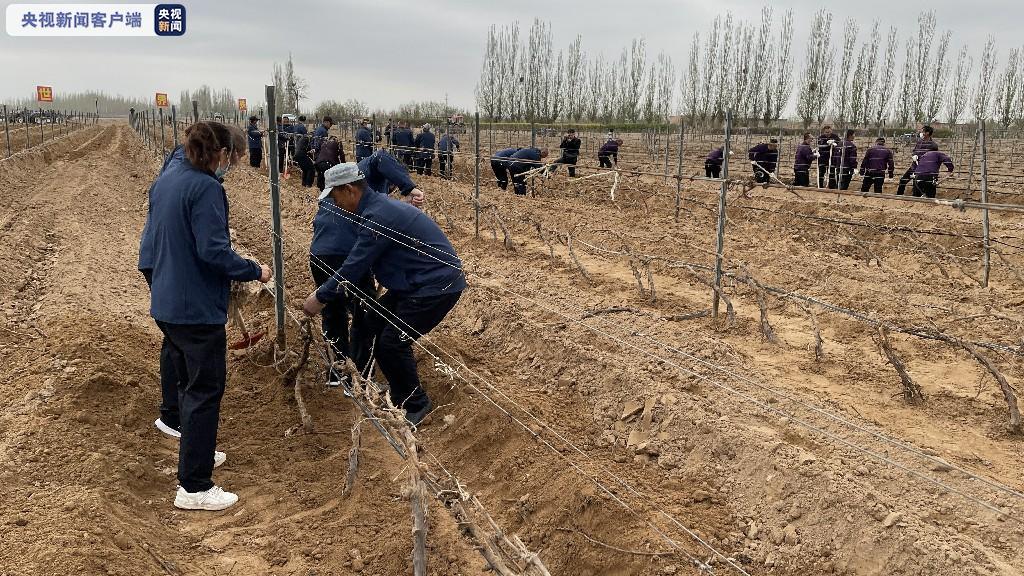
586,397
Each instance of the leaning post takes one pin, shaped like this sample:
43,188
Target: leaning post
275,214
720,242
163,140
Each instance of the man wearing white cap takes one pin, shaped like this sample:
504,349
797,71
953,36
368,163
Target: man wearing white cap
334,235
410,256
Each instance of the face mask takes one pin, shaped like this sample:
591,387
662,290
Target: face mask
921,134
221,172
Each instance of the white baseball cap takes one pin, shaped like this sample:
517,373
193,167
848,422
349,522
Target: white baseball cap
339,175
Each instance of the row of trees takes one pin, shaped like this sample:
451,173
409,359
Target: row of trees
108,104
851,76
526,79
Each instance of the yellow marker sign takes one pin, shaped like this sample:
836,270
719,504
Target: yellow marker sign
161,100
44,93
242,105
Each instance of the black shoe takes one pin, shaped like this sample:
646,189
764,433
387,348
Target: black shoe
416,417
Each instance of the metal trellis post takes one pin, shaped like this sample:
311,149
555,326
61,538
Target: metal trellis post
720,242
476,172
679,167
163,141
7,131
42,135
984,198
275,213
174,123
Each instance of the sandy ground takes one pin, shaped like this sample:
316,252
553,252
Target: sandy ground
641,441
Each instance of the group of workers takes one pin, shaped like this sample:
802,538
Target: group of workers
837,161
515,164
362,238
318,153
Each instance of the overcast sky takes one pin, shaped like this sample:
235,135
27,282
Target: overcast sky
386,52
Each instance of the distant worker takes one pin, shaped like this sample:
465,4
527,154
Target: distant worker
321,133
187,247
255,138
304,155
926,172
826,142
803,161
877,162
403,143
764,158
523,161
844,166
331,154
713,163
334,236
446,152
364,140
924,144
284,133
424,280
499,165
424,144
570,155
608,155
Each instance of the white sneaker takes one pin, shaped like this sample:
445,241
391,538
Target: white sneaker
167,429
218,457
213,499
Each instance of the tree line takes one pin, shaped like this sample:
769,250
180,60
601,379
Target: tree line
853,77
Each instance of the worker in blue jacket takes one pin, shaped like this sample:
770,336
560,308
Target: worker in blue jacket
499,165
334,234
364,139
403,143
410,256
763,158
320,134
522,161
255,137
187,247
424,144
446,148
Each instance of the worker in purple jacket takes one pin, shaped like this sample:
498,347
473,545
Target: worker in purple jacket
876,164
924,144
926,172
713,163
827,141
844,162
803,161
764,158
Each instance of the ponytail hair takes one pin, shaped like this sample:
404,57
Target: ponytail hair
205,140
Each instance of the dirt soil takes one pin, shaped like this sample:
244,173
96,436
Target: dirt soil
585,395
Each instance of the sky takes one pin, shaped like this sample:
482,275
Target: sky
387,52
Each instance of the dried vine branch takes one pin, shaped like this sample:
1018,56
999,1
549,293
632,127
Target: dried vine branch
912,392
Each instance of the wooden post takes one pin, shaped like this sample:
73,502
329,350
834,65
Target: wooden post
42,135
275,214
720,242
195,111
984,198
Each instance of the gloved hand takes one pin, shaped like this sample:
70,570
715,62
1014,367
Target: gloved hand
817,154
774,176
914,157
753,163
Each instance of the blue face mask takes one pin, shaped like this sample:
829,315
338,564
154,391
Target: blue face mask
221,172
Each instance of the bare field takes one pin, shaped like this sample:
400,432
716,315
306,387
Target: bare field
584,394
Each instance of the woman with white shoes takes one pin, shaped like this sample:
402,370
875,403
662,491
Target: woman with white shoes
187,258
